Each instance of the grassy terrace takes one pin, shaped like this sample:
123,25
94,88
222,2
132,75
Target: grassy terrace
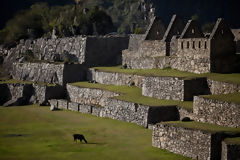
204,126
230,78
234,97
32,132
233,140
14,81
134,94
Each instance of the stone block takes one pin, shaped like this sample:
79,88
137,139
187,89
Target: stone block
97,111
83,108
62,104
73,106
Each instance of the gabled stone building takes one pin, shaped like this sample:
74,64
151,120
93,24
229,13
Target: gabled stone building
186,48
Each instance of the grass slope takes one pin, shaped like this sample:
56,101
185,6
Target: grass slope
48,135
134,94
233,97
233,140
14,81
204,126
230,78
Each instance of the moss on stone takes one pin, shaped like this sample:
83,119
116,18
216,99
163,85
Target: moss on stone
233,97
232,140
204,127
133,94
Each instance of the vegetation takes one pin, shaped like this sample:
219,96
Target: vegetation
168,72
234,97
32,132
205,127
68,20
230,78
134,94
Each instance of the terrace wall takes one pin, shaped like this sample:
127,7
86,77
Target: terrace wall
216,112
195,144
173,88
88,95
137,113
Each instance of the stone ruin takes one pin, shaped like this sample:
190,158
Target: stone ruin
185,48
180,46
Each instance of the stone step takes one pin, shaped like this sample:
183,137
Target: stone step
95,110
31,92
127,104
231,149
161,84
218,109
192,139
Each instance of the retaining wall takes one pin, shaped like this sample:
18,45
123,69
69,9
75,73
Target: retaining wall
115,78
137,113
195,144
217,87
216,112
173,88
49,73
29,93
88,95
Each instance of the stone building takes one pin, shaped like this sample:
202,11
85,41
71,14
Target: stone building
185,48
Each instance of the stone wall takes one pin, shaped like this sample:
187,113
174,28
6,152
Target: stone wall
147,62
150,48
217,87
88,95
49,72
137,113
216,112
45,49
105,50
115,78
72,106
29,93
195,144
173,88
135,41
230,151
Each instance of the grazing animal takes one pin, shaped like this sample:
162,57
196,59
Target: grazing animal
80,137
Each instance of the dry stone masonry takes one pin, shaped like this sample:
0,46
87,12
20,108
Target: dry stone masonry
216,112
179,46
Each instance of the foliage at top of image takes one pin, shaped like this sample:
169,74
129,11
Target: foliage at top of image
82,18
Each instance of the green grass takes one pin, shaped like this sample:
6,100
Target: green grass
230,78
204,126
47,135
233,140
14,81
233,97
133,94
151,72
